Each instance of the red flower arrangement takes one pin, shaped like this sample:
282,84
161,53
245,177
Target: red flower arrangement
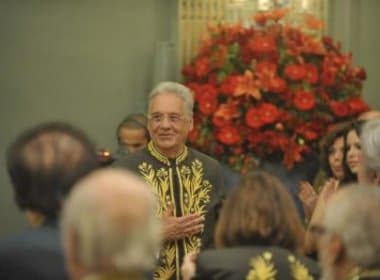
269,89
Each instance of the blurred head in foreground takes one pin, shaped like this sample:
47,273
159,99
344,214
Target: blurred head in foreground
110,227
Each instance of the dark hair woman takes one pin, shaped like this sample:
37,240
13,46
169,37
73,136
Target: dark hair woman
258,228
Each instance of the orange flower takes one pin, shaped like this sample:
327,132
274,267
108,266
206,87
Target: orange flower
312,22
248,86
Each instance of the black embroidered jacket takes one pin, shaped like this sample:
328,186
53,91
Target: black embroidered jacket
193,182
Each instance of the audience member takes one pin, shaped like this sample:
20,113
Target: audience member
331,164
43,164
258,236
188,184
349,243
110,227
369,163
132,134
352,151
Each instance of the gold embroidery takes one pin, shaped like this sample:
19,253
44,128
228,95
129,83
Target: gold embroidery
159,183
167,269
196,196
262,268
153,151
298,270
359,273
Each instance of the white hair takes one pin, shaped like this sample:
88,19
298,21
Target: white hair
353,215
112,218
177,89
370,143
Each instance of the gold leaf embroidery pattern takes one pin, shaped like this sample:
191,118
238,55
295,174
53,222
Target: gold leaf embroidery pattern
298,270
160,184
167,269
196,189
196,192
262,268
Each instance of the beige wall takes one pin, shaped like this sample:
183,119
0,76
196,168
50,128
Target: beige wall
88,62
355,24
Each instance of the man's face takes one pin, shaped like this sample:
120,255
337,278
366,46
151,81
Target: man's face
168,123
132,139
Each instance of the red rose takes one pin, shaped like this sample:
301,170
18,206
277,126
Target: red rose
311,73
266,67
202,66
207,105
229,84
357,105
339,109
328,77
268,113
253,118
262,44
295,72
277,85
219,121
228,135
304,100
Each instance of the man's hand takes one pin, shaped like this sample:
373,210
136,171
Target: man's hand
180,227
188,266
308,196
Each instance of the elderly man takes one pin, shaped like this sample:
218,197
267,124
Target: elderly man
369,167
43,163
349,243
110,227
188,184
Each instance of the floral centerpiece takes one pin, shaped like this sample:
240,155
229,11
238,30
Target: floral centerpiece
269,89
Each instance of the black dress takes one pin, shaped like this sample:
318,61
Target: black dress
256,262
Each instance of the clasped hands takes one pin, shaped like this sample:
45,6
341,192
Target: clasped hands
180,227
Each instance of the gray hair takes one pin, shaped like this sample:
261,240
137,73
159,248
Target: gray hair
112,217
370,142
177,89
352,214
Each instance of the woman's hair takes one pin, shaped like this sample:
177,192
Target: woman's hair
356,126
325,145
259,211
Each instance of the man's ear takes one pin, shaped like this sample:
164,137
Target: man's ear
191,124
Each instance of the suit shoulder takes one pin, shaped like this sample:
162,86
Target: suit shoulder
132,160
204,158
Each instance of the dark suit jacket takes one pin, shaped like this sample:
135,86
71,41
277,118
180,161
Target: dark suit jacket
256,262
33,254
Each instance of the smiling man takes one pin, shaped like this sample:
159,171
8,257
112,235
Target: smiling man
188,184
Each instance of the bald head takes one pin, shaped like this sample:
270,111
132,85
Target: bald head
351,214
109,223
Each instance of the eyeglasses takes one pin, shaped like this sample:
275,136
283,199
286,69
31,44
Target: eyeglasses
172,118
